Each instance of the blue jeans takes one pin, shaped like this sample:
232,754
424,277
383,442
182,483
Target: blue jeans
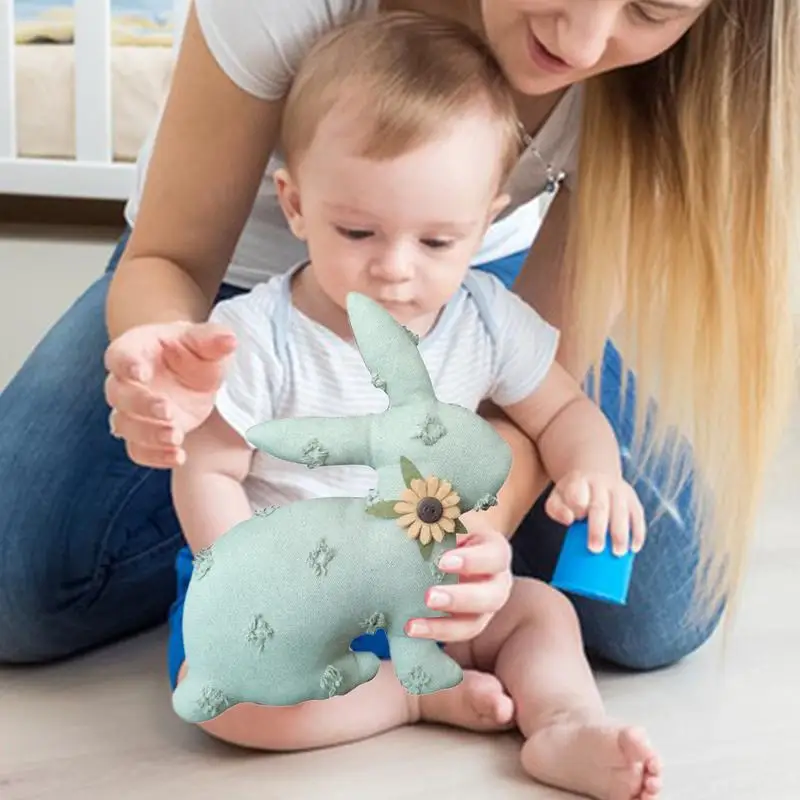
88,540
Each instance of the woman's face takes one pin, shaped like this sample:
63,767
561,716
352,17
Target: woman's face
546,45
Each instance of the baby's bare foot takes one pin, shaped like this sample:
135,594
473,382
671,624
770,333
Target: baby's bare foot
478,703
598,760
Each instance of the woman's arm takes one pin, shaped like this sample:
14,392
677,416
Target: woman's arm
543,285
209,157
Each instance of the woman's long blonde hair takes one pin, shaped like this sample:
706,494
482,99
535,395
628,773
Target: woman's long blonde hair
686,209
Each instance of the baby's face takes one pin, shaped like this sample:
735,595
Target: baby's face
401,231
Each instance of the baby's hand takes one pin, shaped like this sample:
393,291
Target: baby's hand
611,505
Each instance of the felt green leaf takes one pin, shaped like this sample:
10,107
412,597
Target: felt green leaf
383,509
410,472
426,549
460,528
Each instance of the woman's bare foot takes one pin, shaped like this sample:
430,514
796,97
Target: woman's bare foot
598,760
478,703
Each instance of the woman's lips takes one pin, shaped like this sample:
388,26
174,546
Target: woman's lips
543,58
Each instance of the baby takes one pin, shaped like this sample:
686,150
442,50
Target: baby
399,133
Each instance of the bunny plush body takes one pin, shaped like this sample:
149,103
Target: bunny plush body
274,604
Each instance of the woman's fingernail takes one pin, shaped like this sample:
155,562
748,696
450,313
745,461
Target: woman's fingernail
160,411
418,628
181,457
451,561
438,599
137,373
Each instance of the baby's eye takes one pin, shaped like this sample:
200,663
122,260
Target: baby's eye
437,244
354,233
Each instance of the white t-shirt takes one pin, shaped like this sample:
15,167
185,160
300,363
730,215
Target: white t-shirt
288,366
259,44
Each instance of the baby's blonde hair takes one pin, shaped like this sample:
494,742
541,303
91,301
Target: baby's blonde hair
405,77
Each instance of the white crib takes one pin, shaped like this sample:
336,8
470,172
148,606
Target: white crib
93,172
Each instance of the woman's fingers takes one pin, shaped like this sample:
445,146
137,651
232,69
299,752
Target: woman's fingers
131,357
145,432
208,341
144,421
197,358
126,364
156,457
135,399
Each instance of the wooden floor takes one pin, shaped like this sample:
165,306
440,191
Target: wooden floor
101,728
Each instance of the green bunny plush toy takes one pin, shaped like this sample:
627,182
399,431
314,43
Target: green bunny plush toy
273,605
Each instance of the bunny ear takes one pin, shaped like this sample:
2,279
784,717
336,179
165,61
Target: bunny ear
390,352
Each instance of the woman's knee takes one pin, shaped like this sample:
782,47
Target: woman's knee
654,645
25,633
665,618
41,437
83,529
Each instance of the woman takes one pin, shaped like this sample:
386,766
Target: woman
681,118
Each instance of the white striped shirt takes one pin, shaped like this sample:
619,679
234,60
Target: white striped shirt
487,343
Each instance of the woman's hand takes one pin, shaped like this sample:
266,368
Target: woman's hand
483,563
161,385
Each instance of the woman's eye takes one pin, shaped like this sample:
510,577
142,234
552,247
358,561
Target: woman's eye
354,233
437,244
645,16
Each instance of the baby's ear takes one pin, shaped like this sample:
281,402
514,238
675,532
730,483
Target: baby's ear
289,197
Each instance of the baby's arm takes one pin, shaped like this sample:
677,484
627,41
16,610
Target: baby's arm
580,453
208,490
571,432
574,440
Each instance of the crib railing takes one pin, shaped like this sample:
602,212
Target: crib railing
93,172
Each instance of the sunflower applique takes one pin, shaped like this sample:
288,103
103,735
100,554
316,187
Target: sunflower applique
429,509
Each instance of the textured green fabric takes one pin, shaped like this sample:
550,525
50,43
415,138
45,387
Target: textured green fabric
273,605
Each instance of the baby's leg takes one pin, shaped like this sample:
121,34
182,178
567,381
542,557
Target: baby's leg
534,646
372,708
